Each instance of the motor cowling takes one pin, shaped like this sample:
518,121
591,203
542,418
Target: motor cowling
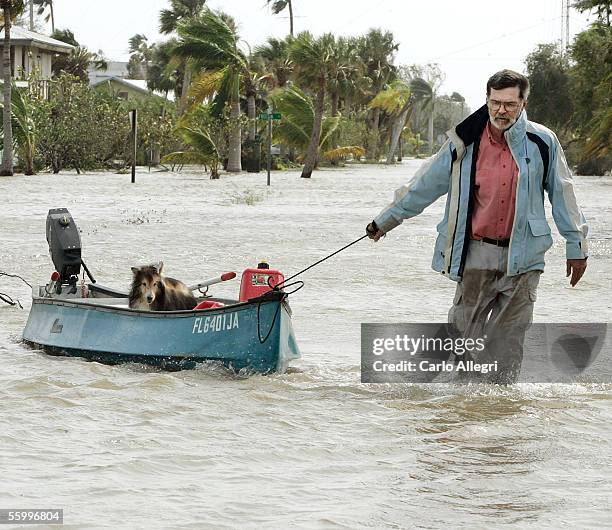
64,244
258,281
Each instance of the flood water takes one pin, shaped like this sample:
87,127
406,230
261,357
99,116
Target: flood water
133,447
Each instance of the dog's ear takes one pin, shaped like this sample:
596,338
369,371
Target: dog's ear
160,267
135,270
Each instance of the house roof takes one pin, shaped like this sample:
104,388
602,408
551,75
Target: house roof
140,85
21,36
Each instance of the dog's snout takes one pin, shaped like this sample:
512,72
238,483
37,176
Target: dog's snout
149,298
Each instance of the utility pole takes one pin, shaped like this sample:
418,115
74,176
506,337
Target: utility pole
31,15
565,30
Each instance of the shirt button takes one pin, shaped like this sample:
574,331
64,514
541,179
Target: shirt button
504,165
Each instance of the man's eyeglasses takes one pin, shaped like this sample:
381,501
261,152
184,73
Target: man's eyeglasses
510,106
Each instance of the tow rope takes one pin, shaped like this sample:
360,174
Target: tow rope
299,283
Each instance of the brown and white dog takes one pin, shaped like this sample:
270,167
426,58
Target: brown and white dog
152,292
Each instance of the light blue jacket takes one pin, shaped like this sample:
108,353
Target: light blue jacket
542,167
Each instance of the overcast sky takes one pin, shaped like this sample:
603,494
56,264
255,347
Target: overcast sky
470,39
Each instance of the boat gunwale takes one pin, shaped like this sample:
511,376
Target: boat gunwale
183,313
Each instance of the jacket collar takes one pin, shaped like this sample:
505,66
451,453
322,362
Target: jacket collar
473,126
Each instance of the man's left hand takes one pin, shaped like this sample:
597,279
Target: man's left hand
576,268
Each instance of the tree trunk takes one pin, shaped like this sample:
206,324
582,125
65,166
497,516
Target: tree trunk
156,156
398,125
400,152
7,152
184,89
313,147
234,163
373,147
335,97
290,18
251,110
375,118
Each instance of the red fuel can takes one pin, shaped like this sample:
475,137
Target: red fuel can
256,282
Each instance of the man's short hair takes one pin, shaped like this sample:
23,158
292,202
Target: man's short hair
508,79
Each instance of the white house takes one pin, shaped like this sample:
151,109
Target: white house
32,51
113,69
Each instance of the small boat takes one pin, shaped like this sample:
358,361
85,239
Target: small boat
253,335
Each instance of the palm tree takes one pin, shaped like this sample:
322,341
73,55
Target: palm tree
10,10
42,7
313,59
78,63
275,56
165,70
169,20
65,35
295,129
79,60
212,45
377,50
399,101
278,6
141,53
344,65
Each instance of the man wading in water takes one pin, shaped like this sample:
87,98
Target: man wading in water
495,167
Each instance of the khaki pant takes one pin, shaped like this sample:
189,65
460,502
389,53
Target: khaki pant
490,305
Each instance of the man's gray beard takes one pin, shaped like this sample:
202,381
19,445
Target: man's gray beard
511,122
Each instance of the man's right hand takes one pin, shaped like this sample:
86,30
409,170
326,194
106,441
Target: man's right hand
373,231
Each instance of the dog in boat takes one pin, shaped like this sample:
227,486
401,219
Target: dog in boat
151,291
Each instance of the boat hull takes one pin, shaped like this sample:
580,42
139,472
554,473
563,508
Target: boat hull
255,336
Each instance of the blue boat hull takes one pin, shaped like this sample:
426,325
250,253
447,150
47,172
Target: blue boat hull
255,336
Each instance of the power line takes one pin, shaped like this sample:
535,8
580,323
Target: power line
505,35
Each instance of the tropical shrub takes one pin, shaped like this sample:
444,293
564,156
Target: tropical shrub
201,150
24,127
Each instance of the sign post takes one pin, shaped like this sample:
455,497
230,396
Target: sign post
269,116
133,114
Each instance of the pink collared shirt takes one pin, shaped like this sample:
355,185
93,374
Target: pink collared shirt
495,191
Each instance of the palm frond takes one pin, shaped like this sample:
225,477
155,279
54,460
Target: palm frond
205,85
328,127
342,153
393,98
209,41
297,109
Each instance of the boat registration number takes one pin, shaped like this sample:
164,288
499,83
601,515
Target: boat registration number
215,323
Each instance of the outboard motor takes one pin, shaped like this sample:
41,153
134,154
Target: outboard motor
65,247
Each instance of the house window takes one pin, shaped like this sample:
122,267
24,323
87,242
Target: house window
122,95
